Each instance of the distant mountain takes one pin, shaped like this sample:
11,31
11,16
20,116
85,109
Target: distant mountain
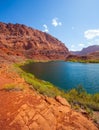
87,50
18,40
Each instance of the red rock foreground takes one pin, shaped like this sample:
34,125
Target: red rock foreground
27,110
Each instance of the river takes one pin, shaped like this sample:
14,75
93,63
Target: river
67,75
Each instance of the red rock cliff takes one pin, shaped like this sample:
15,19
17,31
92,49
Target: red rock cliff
20,40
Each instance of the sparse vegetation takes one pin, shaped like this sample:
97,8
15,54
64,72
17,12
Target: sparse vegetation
77,97
84,61
13,87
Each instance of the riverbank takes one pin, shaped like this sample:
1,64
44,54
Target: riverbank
78,98
27,93
84,59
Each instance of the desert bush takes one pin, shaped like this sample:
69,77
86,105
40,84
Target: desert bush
13,87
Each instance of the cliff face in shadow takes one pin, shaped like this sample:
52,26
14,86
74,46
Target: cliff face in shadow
21,41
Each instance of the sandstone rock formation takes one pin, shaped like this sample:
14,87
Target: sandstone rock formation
28,110
21,41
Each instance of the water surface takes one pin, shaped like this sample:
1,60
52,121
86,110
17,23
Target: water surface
67,75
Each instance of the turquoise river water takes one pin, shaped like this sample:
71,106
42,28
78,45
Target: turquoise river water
67,75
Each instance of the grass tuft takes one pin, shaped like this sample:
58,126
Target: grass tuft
13,87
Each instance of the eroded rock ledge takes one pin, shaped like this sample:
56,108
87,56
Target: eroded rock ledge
30,111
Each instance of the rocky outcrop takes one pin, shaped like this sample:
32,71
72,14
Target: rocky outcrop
30,111
22,41
62,101
26,109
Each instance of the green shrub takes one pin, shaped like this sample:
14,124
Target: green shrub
13,87
78,96
9,87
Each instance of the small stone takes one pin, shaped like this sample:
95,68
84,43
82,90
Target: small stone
62,101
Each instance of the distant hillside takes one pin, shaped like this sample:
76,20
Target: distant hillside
94,55
87,50
18,40
91,58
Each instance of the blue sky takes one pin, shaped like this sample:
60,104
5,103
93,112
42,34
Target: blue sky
74,22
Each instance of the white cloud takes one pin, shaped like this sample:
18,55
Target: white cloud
60,24
93,42
77,47
56,22
45,28
91,34
73,48
81,45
